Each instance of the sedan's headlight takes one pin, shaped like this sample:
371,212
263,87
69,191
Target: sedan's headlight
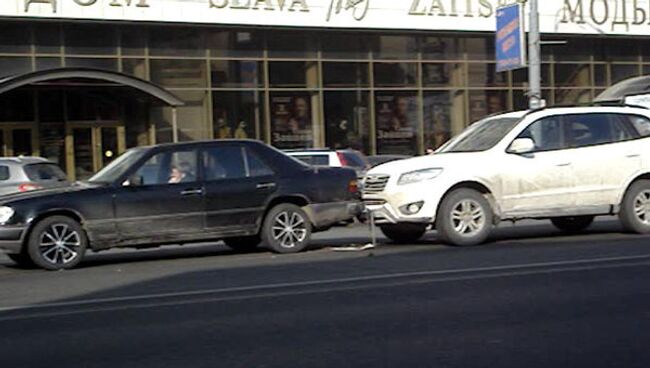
5,214
418,176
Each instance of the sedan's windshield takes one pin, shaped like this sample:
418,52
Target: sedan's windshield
482,135
118,167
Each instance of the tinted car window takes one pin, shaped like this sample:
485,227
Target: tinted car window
255,166
44,172
224,162
169,168
482,135
592,129
4,172
316,160
546,133
641,124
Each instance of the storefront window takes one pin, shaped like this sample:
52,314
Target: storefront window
237,114
347,120
397,117
520,76
135,67
235,43
15,38
480,48
572,75
395,74
443,75
179,73
294,44
133,40
14,65
623,71
485,75
346,45
484,103
600,75
396,47
441,48
293,74
44,63
575,49
52,142
47,38
572,96
78,42
345,75
17,105
176,41
94,63
291,119
439,111
236,73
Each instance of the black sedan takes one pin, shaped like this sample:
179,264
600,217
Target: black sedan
241,191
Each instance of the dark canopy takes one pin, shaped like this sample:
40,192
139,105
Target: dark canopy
628,87
74,74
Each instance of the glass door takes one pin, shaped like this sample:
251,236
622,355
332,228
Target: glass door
90,148
17,140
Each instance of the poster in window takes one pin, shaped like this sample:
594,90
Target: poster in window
437,119
396,124
291,121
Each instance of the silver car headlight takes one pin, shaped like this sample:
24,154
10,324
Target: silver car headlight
418,176
5,214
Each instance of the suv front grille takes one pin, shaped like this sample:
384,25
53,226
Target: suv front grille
375,183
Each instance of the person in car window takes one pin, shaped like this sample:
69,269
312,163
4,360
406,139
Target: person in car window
180,174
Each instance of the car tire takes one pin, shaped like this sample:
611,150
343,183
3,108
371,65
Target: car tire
465,218
286,229
403,233
57,243
635,208
243,243
572,224
21,259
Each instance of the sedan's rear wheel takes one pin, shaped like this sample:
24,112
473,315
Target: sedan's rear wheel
465,218
635,208
57,243
286,229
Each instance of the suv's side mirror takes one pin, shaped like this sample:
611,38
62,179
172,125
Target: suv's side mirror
522,145
134,181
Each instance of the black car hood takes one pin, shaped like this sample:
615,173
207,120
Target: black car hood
76,187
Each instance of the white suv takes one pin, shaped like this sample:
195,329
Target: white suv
565,164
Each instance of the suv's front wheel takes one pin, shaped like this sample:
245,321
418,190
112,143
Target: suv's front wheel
635,208
57,243
286,229
465,218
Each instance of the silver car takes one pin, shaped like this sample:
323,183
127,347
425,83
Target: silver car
22,174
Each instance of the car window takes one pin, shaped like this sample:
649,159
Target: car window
546,133
44,172
641,124
316,160
593,129
171,167
622,128
354,159
224,162
482,135
256,167
4,172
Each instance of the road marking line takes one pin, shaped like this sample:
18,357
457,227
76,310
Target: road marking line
321,282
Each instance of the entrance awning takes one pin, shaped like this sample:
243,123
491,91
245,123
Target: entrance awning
75,74
627,88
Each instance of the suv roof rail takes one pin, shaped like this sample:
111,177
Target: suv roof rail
611,103
308,149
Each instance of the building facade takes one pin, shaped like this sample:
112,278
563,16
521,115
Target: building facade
382,76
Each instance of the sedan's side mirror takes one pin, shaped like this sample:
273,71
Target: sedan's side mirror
134,181
522,145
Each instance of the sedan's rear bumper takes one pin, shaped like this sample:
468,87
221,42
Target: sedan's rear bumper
323,215
11,239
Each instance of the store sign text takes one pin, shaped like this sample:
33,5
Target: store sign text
137,3
290,5
618,13
454,8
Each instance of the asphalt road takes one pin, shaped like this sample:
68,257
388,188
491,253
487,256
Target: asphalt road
532,297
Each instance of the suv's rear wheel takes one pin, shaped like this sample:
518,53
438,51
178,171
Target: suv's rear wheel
635,208
572,224
286,229
404,233
243,243
465,218
57,243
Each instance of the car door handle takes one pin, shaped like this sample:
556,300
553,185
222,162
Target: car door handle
189,192
265,185
563,164
633,155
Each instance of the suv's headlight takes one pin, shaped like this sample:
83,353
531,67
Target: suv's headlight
418,176
5,214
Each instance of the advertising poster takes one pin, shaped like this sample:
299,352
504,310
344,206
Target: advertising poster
396,124
437,119
291,121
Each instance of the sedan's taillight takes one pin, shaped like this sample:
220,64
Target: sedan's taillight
28,186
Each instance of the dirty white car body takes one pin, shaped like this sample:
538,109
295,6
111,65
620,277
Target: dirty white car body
584,176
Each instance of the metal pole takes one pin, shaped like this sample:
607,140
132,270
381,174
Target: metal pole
174,124
534,62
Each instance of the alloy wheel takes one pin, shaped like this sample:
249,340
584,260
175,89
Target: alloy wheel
642,207
59,244
467,217
289,229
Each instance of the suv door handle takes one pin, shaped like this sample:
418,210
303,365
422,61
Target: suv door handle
265,185
633,155
563,164
189,192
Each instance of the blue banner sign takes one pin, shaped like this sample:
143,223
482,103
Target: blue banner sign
510,40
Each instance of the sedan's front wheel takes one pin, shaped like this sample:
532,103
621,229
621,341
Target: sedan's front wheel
57,243
286,229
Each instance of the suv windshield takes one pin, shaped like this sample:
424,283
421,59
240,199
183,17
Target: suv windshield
118,167
482,136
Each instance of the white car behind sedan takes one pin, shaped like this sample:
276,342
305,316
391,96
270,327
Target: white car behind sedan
565,164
